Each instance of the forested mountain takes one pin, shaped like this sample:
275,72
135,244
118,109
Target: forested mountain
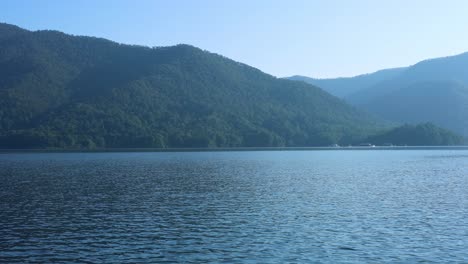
64,91
343,87
444,103
430,91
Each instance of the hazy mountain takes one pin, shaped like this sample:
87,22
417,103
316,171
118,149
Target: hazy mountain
343,87
451,68
444,103
58,90
430,91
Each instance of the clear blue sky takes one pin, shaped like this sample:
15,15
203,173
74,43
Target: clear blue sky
316,38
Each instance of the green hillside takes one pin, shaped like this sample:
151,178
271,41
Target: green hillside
64,91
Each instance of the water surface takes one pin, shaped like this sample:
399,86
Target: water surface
235,207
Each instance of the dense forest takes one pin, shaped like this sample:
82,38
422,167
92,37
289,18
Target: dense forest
426,134
64,91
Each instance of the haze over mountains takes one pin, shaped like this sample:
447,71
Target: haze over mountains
345,86
434,90
63,91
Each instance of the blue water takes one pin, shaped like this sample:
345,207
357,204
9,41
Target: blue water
235,207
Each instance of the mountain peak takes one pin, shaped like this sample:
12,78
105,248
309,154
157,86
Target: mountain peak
8,30
6,26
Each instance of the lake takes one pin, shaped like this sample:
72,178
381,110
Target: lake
328,206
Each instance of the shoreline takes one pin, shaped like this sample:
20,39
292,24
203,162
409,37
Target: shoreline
109,150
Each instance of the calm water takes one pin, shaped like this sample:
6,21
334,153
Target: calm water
235,207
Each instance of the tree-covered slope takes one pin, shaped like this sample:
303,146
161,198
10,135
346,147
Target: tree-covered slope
426,134
58,90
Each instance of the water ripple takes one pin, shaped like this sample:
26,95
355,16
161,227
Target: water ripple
235,207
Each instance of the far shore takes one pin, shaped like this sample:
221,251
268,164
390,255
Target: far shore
97,150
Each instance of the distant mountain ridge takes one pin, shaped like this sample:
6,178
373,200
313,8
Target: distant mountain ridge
452,68
444,103
433,90
345,86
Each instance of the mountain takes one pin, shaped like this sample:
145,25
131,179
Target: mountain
430,91
64,91
444,103
343,87
451,68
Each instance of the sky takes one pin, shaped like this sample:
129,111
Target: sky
321,39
